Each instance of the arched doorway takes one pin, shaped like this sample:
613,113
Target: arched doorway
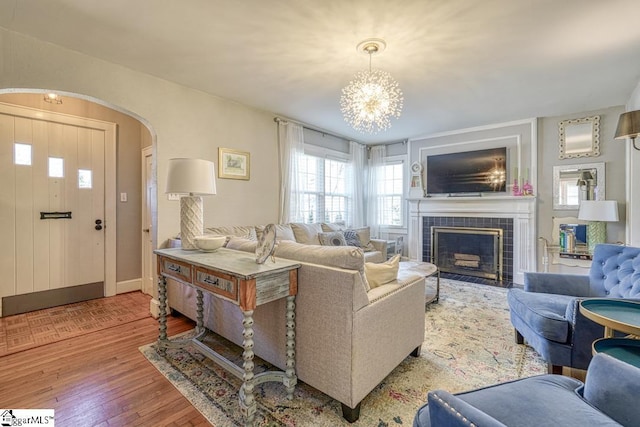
123,249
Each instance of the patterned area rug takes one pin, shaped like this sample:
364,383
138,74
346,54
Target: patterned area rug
469,343
29,330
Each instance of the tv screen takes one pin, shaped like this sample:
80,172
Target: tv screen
482,171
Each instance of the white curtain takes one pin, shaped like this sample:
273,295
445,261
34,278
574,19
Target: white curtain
291,149
356,184
377,156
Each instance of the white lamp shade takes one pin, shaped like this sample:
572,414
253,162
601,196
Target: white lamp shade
191,176
598,210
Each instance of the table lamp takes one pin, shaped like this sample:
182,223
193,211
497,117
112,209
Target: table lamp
597,212
191,178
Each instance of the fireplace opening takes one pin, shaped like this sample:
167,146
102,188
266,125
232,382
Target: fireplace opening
468,251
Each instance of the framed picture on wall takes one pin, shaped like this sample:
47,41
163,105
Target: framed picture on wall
233,164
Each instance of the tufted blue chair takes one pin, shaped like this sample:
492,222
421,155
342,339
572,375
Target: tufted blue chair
546,312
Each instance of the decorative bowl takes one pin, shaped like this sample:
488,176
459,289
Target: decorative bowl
209,243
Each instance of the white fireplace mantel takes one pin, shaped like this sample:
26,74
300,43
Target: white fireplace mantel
521,209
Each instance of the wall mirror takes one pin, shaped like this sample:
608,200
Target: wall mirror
574,183
579,137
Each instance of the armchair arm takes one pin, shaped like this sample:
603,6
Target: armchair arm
583,333
380,245
612,387
553,283
448,410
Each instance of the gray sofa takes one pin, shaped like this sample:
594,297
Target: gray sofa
608,398
349,337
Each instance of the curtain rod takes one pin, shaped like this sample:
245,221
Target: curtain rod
315,129
278,119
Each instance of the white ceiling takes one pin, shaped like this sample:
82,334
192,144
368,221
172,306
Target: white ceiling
460,63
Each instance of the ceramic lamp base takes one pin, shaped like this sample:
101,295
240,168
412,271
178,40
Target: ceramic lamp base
191,221
596,233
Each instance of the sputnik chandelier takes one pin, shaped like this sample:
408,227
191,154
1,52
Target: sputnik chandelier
373,97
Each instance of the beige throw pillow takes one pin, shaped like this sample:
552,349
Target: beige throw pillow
378,274
334,238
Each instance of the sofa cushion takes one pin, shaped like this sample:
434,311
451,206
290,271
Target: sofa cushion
545,313
332,226
242,244
306,233
248,232
333,256
283,232
381,273
333,238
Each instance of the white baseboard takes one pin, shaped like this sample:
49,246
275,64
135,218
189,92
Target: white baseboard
129,286
154,308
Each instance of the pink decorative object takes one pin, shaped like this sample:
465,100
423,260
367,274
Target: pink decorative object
516,188
527,189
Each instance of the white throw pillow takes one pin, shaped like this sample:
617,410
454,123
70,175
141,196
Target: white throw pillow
378,274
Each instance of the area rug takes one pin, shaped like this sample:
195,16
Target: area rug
469,343
24,331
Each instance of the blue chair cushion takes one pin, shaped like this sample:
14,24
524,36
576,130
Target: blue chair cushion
544,313
544,400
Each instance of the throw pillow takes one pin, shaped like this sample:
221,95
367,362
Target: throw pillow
351,238
306,233
378,274
364,234
334,238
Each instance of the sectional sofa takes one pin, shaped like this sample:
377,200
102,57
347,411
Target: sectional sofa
348,337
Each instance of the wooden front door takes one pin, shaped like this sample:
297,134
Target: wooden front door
52,205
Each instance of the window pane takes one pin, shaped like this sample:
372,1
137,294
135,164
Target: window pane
84,178
56,167
22,154
390,187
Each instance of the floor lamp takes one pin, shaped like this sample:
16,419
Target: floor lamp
192,178
597,212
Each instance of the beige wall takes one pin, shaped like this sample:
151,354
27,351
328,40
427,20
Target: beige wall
185,123
130,134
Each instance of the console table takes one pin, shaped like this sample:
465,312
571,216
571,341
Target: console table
236,277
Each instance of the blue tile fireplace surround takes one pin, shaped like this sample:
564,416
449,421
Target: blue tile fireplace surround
504,224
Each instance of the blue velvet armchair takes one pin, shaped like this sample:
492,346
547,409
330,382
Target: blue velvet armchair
607,398
546,312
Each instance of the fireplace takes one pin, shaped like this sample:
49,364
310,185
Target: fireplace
504,259
468,251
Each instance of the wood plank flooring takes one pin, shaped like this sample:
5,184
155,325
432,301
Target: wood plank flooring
98,379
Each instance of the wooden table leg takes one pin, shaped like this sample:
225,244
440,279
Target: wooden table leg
291,379
199,312
248,404
162,315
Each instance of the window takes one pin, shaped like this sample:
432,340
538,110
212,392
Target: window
84,178
390,194
22,154
324,192
56,167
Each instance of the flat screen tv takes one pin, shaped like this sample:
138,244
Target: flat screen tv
481,171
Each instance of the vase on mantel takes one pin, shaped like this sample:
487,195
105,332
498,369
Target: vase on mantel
516,188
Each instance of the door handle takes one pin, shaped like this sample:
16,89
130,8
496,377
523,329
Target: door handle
98,224
146,230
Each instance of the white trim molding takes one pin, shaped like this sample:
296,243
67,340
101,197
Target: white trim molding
521,209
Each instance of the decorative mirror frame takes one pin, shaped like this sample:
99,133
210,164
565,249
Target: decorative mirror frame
600,177
565,127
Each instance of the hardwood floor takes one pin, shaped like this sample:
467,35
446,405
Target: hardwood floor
98,379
